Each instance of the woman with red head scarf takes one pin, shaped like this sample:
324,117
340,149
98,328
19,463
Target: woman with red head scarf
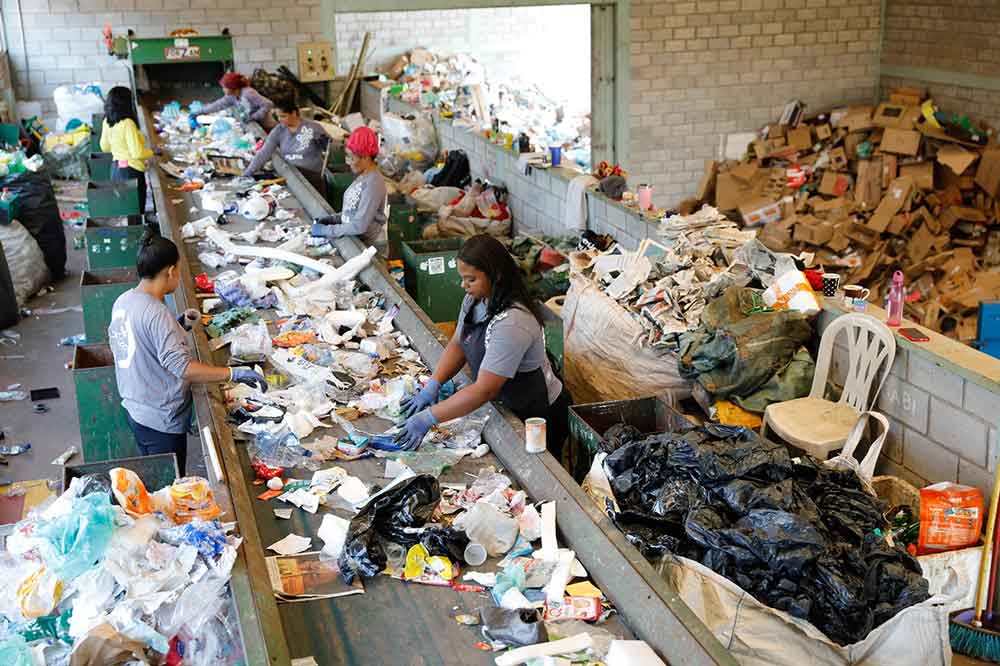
252,105
363,214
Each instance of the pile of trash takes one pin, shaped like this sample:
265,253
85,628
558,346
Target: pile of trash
456,85
803,537
870,190
89,581
666,286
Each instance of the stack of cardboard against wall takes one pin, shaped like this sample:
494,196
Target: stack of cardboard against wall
874,189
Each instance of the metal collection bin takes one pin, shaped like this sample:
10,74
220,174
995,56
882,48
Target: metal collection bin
156,471
110,245
431,276
113,199
104,430
98,291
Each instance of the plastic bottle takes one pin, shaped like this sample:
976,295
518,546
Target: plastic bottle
896,298
14,449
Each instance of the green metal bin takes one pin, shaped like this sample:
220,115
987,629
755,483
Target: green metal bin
405,224
589,422
111,245
113,199
96,127
100,166
336,185
104,430
156,471
431,276
98,291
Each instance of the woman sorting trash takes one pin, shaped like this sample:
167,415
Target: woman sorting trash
499,335
252,105
153,364
121,137
302,142
363,214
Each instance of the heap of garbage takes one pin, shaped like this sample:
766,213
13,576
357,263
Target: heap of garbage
109,573
457,86
802,536
871,190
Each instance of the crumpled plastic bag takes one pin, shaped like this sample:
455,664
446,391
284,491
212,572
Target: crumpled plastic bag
387,517
251,340
14,651
130,492
38,594
72,542
523,626
485,524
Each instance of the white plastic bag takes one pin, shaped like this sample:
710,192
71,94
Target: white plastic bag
792,291
80,101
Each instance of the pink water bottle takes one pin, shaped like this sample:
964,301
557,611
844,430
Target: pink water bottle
896,298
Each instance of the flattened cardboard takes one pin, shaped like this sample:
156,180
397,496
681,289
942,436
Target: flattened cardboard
868,188
707,184
777,236
859,119
839,242
956,158
862,235
889,171
899,116
730,192
851,143
922,174
810,230
823,132
835,184
988,174
800,138
941,135
900,142
900,224
838,159
907,96
952,215
823,205
745,171
897,195
758,211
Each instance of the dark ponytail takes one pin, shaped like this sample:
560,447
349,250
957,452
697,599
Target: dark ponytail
487,254
155,253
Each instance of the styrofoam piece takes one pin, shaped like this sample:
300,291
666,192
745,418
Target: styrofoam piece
550,546
632,653
555,590
550,649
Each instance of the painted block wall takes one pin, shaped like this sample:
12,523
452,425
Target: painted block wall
62,38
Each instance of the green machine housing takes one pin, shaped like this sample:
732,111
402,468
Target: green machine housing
179,68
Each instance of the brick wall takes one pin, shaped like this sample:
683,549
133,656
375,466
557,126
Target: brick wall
707,68
942,424
63,37
950,35
549,46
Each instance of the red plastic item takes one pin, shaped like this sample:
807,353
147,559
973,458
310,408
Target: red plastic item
951,517
264,472
204,283
815,279
549,258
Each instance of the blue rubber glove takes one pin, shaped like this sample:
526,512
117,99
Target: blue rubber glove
414,430
248,376
322,230
427,396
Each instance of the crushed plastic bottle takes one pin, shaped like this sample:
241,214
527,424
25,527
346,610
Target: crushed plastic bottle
14,449
10,396
72,340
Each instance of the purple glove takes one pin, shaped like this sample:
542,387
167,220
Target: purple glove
414,430
248,376
427,396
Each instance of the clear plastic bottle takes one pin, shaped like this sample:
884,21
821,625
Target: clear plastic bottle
896,297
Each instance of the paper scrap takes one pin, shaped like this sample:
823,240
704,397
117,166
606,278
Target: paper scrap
301,498
556,588
353,490
484,578
284,514
333,532
291,544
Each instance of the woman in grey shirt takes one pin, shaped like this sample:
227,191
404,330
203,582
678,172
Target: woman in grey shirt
302,142
500,336
154,366
252,105
363,213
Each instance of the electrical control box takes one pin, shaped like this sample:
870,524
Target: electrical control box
316,62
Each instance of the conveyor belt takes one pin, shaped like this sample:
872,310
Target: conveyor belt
394,622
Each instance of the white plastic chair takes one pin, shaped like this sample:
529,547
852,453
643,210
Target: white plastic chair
846,460
817,425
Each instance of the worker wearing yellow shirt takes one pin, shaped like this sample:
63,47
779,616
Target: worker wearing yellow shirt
121,137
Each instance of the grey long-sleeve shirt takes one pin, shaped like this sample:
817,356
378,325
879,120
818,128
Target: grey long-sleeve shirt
364,209
254,105
304,148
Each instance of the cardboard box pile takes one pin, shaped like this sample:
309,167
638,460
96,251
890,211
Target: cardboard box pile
871,190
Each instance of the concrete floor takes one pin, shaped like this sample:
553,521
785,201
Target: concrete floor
44,365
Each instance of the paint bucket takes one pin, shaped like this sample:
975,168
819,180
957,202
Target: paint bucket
534,435
556,152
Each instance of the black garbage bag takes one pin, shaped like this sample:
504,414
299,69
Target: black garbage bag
445,541
387,517
840,607
894,579
654,536
39,213
618,435
738,453
455,172
785,541
522,626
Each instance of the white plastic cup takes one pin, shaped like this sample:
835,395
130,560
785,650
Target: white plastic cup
475,554
534,435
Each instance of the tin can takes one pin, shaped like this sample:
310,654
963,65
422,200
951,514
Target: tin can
534,435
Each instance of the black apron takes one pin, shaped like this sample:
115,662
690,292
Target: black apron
526,393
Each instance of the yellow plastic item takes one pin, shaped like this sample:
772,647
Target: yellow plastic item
928,109
130,492
39,593
192,498
734,415
418,560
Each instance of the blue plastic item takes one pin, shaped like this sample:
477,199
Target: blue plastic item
72,543
14,652
207,536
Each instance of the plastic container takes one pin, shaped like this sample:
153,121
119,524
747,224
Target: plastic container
556,153
896,297
475,554
534,435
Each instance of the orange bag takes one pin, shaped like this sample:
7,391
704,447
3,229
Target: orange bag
130,492
951,517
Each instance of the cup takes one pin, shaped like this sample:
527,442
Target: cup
534,435
852,293
830,283
556,152
475,554
645,193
